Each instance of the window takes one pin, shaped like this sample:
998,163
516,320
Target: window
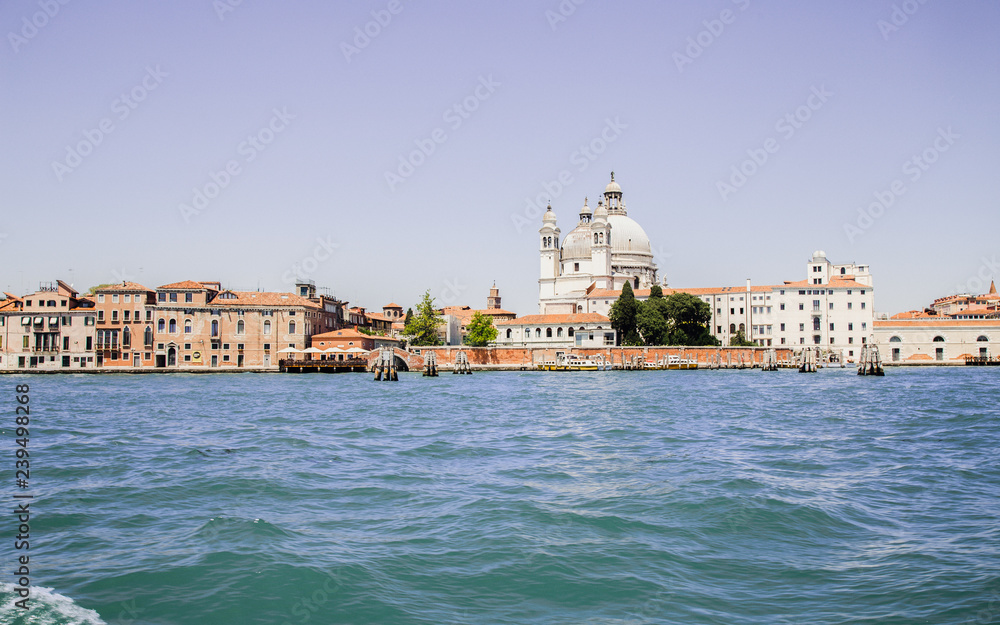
128,298
90,343
241,327
114,316
291,327
559,332
576,266
802,306
189,297
100,315
862,305
187,326
548,333
114,298
267,328
538,333
187,346
782,327
215,327
569,332
864,325
816,324
939,339
850,339
128,314
850,305
831,327
939,353
831,305
509,332
100,299
815,304
161,325
126,337
732,311
161,297
895,339
982,339
173,297
226,345
173,326
850,327
148,337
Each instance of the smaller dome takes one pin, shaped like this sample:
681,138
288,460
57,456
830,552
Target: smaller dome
549,216
819,254
586,208
613,187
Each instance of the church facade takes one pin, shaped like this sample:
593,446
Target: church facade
605,249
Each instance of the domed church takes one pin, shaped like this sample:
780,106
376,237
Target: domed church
606,249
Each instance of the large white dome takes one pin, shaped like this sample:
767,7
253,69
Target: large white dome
627,236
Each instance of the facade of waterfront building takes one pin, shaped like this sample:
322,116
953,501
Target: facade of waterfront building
184,325
910,338
832,308
125,332
51,329
604,250
556,330
456,319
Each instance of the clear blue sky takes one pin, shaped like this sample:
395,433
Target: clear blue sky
348,116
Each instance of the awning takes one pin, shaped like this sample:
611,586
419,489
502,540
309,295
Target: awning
53,321
39,321
289,350
26,321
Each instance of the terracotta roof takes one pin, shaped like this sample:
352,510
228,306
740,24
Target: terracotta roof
186,284
377,316
496,311
553,319
350,333
124,286
936,322
259,298
993,288
914,314
392,305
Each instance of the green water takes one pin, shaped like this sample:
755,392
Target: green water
724,497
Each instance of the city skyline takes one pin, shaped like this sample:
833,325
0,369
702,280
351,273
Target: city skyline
431,142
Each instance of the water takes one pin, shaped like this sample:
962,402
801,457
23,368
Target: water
543,498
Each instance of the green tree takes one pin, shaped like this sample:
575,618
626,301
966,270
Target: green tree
623,316
689,317
480,331
740,340
652,321
93,289
409,315
422,327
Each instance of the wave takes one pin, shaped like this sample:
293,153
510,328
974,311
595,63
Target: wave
47,607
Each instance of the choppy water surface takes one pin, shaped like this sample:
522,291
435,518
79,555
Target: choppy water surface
613,498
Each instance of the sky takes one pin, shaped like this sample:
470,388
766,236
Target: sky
384,148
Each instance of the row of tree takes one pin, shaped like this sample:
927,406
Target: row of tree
422,326
679,319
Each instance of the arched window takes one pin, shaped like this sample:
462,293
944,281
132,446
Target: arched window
173,326
126,337
595,238
148,336
939,339
241,327
291,327
732,328
548,333
559,332
161,326
187,326
538,333
527,332
983,339
895,339
743,328
509,333
816,324
636,284
215,327
267,327
569,332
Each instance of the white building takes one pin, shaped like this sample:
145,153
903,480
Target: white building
832,308
579,330
916,338
604,250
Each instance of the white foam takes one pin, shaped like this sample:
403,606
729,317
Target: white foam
47,608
